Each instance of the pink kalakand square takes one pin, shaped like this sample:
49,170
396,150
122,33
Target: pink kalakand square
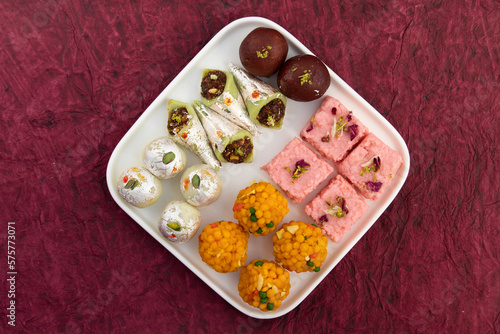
371,167
333,130
336,208
297,170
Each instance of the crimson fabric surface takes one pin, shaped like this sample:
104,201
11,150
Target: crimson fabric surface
75,75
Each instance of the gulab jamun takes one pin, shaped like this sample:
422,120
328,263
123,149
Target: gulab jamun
303,78
263,51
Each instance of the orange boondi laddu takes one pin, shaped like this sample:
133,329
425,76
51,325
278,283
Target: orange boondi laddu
264,284
300,247
260,208
223,246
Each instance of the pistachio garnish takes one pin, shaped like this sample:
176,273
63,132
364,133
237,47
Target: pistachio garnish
301,167
338,209
168,157
372,165
239,151
305,78
264,52
131,184
174,226
338,127
196,181
176,118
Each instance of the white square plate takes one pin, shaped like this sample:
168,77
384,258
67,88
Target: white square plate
224,47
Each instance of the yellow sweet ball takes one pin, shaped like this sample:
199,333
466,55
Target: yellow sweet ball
300,247
264,284
223,246
260,208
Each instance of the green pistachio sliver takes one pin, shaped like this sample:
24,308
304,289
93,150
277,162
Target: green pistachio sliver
174,226
238,151
365,170
131,184
176,118
305,78
261,54
335,209
196,181
168,157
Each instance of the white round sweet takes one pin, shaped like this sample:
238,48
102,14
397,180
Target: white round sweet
200,185
163,158
179,222
139,187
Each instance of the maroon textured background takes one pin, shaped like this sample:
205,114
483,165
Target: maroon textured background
75,75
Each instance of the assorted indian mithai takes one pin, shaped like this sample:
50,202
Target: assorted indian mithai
219,128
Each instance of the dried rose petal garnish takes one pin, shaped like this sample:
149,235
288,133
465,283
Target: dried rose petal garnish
374,186
311,124
341,202
349,116
301,167
338,209
377,163
302,163
353,131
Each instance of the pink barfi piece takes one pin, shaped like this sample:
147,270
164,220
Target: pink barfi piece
360,167
334,217
298,170
333,130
